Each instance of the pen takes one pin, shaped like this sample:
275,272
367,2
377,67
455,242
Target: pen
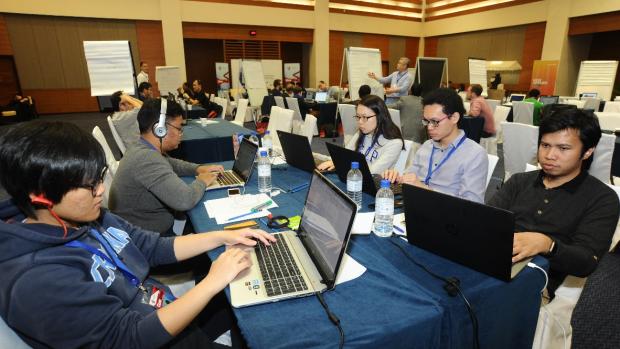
399,230
261,206
299,187
240,216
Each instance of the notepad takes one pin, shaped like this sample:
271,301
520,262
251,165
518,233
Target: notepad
224,209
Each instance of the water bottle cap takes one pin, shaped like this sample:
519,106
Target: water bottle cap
385,183
263,153
355,165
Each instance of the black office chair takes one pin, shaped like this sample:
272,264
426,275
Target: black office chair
472,126
596,318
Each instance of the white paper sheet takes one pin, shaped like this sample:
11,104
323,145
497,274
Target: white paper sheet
168,79
399,225
224,209
350,269
110,67
362,225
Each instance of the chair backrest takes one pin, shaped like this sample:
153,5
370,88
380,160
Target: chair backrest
612,107
223,103
117,137
395,115
279,101
466,105
520,146
242,108
307,128
523,112
279,119
530,168
294,106
109,156
349,123
499,116
591,103
401,163
493,159
10,339
603,154
472,126
493,103
608,121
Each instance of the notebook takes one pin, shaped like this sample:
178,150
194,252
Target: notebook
242,168
297,151
301,262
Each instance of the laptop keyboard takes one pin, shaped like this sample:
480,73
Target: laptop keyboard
397,189
227,178
278,269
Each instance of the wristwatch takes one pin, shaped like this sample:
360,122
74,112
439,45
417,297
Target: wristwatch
552,249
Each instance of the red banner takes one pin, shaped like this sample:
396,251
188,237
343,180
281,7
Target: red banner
544,74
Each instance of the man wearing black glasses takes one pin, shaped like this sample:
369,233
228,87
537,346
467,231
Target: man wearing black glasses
147,189
448,162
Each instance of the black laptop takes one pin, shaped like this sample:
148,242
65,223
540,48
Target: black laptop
297,151
475,235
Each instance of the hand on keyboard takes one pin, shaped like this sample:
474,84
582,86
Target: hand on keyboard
248,237
226,267
207,177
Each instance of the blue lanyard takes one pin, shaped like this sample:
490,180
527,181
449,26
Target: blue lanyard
401,76
431,171
372,146
111,253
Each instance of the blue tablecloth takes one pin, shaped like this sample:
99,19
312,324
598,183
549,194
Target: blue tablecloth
394,304
210,143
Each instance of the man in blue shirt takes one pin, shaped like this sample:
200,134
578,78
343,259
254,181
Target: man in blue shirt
400,80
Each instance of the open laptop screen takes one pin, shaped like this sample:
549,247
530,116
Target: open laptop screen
325,224
517,98
245,159
549,100
320,96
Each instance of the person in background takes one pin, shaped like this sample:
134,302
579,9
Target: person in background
378,138
200,98
363,91
143,76
496,81
532,97
93,265
147,189
561,211
277,88
411,111
145,91
322,86
125,117
480,108
448,162
399,81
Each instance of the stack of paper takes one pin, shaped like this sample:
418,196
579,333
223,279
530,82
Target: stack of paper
226,209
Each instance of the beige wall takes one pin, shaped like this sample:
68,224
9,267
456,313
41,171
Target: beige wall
115,9
575,51
374,25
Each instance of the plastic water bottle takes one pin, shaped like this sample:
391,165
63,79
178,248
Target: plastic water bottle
384,210
354,184
267,143
264,173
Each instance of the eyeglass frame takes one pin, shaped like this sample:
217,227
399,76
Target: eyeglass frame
363,117
433,123
94,187
180,129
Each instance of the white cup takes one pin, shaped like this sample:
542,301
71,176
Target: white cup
203,121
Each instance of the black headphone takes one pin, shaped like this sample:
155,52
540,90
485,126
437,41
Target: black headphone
159,129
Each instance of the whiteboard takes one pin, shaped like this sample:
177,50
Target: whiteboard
478,73
254,81
272,69
597,76
168,79
360,62
110,67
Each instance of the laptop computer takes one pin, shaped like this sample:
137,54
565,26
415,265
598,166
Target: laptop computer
475,235
516,97
301,262
320,97
342,158
545,100
588,95
242,168
297,151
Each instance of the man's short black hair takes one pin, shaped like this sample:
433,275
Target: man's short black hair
450,101
47,158
477,89
144,86
149,113
582,121
533,93
115,100
363,91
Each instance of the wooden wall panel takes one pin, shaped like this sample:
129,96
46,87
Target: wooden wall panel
5,42
57,101
412,45
603,22
532,50
200,58
430,46
382,42
241,32
336,47
151,48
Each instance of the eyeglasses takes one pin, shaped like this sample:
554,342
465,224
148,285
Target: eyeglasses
94,187
433,123
364,118
180,129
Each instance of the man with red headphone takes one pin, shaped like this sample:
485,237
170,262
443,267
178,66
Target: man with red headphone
75,275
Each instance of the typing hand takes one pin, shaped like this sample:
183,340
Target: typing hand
326,166
210,168
529,244
226,267
207,177
244,236
392,175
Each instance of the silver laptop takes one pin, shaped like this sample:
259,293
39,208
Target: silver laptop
320,97
301,262
242,168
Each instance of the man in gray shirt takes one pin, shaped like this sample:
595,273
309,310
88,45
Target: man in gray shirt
411,115
147,190
125,117
449,162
